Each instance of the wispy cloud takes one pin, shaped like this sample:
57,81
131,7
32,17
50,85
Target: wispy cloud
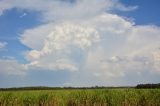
23,15
11,67
3,45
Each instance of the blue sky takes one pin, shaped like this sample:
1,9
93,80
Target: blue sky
147,13
79,43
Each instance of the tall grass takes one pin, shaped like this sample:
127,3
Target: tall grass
95,97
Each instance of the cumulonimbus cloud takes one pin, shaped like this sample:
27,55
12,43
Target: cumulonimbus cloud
64,40
86,38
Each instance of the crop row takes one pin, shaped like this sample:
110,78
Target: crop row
96,97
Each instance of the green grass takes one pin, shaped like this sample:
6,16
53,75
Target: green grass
77,97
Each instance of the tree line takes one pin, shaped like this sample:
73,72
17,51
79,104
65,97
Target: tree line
139,86
59,88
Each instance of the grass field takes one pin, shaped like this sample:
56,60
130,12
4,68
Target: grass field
78,97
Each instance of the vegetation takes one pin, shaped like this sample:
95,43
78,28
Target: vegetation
81,97
148,86
57,88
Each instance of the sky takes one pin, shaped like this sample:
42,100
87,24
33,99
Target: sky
79,43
